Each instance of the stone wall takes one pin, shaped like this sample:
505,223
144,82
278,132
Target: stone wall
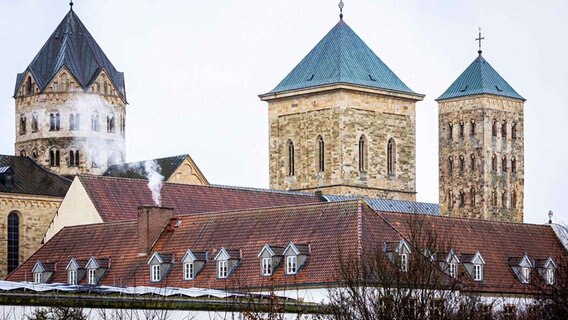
66,100
35,214
341,117
480,147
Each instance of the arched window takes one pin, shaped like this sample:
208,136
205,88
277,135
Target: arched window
450,199
391,157
57,122
22,124
513,165
504,129
494,162
472,197
462,199
472,164
28,87
52,158
74,158
320,153
23,153
450,165
34,122
110,123
450,131
504,163
95,126
71,122
494,197
34,153
291,158
514,130
462,129
504,199
494,128
363,154
472,128
462,164
13,241
57,158
51,122
513,199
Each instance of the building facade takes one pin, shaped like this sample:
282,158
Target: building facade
481,141
70,104
342,122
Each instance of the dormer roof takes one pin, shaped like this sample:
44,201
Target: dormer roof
523,261
272,250
341,57
397,246
299,249
161,258
474,258
194,256
71,45
228,254
480,78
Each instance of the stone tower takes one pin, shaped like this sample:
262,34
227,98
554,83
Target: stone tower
70,104
481,156
342,122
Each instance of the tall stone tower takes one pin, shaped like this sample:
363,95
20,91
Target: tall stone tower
481,146
70,104
342,122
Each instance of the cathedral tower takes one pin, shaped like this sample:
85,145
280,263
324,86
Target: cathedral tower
342,122
481,156
70,104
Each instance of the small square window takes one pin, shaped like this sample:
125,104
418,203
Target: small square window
188,271
291,264
222,269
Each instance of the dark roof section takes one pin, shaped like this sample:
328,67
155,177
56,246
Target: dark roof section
390,205
30,178
117,199
135,170
480,78
71,45
342,57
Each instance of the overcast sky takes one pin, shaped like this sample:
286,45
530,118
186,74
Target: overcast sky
194,69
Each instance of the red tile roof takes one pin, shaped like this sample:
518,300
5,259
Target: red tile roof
495,241
334,232
117,199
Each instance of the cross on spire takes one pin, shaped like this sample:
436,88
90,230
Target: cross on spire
341,9
480,38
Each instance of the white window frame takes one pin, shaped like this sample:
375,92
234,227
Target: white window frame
155,274
266,266
222,269
525,274
37,277
453,270
72,277
550,276
92,276
188,270
404,262
478,272
291,264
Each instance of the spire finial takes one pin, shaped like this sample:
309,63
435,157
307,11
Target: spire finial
479,39
341,9
550,214
71,5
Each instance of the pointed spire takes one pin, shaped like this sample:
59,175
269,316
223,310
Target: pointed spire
479,38
341,9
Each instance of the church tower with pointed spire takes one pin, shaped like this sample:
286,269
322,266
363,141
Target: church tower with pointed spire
70,104
343,123
481,141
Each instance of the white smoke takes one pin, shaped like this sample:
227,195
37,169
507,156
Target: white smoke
155,180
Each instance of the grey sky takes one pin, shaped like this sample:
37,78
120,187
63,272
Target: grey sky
194,68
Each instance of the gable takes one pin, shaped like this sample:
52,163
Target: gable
72,265
222,255
155,259
92,264
188,173
38,268
75,209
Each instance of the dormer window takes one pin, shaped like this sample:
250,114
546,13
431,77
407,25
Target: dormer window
398,253
193,263
473,264
96,269
291,264
296,256
270,257
525,273
546,269
522,266
92,276
37,277
42,271
72,277
550,276
453,270
227,262
160,264
75,271
449,263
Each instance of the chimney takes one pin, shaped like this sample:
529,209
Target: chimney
151,222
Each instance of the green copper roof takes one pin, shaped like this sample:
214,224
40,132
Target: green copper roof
480,78
71,45
341,57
